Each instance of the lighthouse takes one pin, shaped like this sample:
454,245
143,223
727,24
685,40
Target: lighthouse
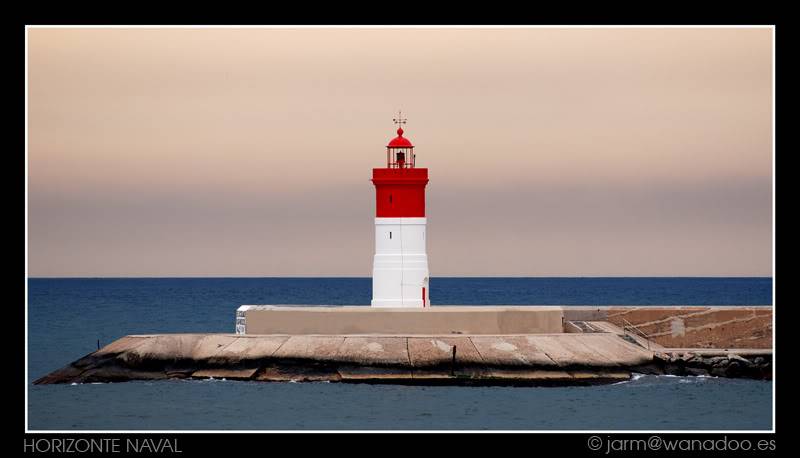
400,268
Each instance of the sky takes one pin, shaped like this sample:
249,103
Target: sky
551,151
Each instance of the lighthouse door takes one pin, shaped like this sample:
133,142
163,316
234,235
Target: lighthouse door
425,292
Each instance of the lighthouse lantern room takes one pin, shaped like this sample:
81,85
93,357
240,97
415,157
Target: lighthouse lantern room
400,269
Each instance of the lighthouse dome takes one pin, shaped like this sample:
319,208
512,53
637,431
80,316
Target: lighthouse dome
400,141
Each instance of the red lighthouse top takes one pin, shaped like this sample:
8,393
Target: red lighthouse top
400,186
400,141
400,151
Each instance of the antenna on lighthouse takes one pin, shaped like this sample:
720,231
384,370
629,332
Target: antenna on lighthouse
399,119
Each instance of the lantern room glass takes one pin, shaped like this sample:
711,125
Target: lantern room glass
400,158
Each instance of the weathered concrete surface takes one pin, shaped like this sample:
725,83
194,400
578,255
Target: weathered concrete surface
667,326
170,347
317,348
126,343
569,352
444,320
349,358
589,355
512,351
374,351
700,326
604,327
438,351
626,355
585,313
241,348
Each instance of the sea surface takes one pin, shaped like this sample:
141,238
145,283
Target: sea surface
67,318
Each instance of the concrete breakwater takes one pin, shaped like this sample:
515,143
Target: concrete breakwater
490,345
537,359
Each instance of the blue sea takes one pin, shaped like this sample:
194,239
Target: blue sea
66,318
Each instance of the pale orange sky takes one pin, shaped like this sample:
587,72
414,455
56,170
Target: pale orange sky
551,152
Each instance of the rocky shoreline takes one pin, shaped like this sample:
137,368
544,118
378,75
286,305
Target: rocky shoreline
757,365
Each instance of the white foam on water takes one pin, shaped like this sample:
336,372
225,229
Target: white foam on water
696,378
634,377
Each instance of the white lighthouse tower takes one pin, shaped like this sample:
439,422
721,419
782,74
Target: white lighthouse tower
400,269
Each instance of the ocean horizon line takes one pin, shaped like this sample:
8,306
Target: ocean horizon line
369,277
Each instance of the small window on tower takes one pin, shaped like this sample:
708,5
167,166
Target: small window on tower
390,234
390,198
